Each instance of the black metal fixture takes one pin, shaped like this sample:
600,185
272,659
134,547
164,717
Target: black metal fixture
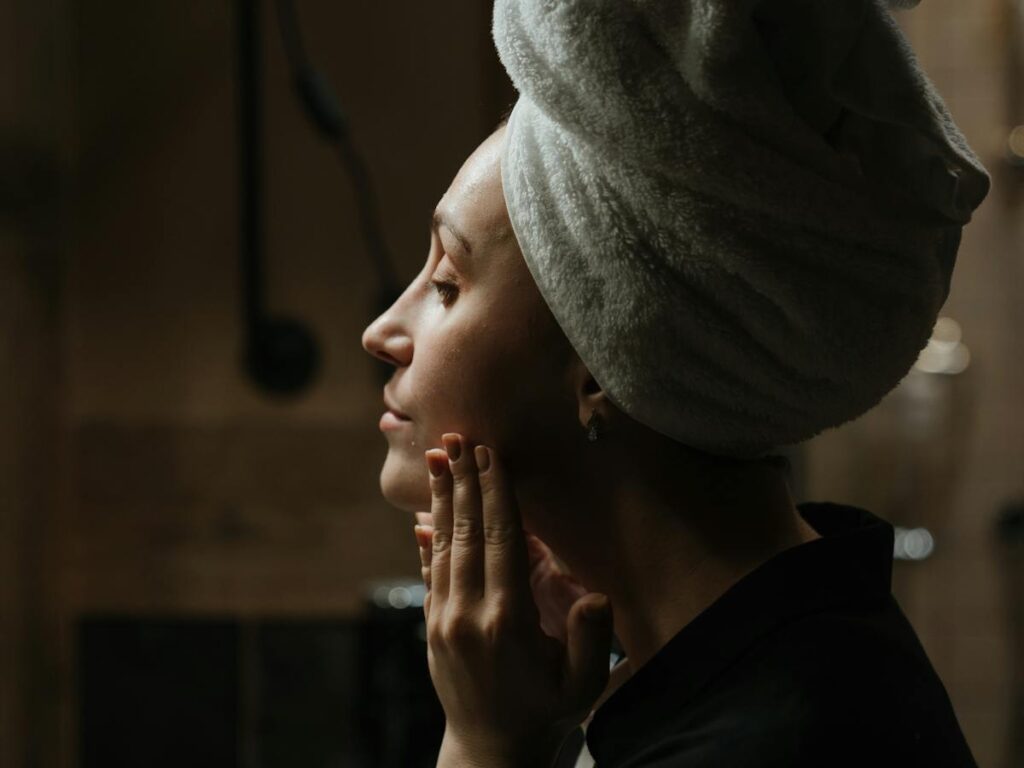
328,119
282,355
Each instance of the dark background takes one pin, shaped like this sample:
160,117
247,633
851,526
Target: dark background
151,497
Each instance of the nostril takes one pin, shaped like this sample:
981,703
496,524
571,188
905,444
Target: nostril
385,367
387,358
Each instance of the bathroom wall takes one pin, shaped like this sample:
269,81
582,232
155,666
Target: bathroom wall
34,106
180,490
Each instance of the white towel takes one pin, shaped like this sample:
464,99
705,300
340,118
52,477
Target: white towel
744,214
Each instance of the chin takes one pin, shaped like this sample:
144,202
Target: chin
404,486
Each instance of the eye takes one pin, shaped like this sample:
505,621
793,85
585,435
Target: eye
448,291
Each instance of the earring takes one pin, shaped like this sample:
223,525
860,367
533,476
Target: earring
592,427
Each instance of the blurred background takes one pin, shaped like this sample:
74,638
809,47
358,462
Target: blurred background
196,565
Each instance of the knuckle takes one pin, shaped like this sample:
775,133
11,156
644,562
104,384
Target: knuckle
457,631
466,529
499,622
497,534
502,608
442,542
434,638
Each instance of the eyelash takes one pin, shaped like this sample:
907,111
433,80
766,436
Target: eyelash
446,290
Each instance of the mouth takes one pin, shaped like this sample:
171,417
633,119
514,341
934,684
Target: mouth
391,420
398,414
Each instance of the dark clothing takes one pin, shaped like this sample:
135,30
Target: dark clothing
806,661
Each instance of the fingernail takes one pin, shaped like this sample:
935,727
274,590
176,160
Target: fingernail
435,464
483,457
452,444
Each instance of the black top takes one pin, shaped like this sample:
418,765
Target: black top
806,661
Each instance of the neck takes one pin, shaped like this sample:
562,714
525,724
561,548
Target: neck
665,543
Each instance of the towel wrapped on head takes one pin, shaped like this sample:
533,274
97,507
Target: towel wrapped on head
744,214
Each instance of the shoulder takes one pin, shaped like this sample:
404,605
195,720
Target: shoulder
855,680
839,688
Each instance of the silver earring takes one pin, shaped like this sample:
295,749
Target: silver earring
592,427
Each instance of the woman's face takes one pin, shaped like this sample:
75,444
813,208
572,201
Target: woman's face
475,348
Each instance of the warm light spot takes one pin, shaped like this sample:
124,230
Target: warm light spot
1016,144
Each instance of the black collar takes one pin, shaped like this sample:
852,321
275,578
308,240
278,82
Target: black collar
851,564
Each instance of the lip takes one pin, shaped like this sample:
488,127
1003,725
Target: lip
391,420
393,409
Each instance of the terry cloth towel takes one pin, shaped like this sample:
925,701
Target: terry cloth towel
744,214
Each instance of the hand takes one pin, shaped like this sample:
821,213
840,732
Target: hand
554,589
510,692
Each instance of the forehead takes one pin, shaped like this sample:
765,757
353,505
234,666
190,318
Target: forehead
475,202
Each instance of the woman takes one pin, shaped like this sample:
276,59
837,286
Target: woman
755,632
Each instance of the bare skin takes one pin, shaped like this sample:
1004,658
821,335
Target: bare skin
662,530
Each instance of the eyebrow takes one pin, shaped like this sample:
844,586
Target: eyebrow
438,219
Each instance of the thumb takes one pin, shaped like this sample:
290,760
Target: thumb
589,642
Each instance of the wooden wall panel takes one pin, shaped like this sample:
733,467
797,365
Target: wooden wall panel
188,491
241,520
35,112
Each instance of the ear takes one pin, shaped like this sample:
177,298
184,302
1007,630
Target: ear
590,396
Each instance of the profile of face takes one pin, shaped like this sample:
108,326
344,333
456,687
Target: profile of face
475,347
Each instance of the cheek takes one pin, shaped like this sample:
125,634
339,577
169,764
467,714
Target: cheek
473,372
475,381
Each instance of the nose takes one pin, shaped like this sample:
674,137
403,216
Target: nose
387,339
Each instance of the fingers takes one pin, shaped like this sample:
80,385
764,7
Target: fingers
424,535
424,538
441,514
467,555
506,562
588,644
539,550
478,544
542,560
